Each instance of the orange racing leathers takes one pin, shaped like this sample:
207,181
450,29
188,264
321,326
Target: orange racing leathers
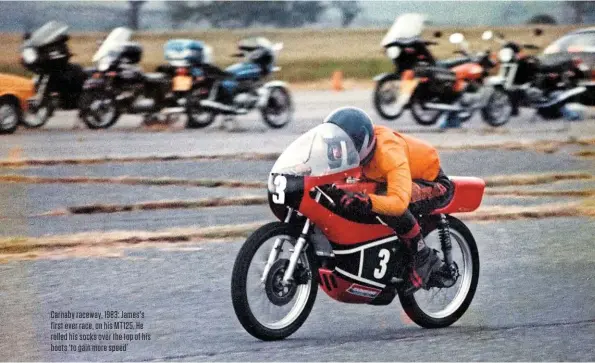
404,163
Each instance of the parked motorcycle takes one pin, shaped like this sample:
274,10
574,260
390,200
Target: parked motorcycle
119,85
186,60
58,83
277,271
547,87
243,86
428,87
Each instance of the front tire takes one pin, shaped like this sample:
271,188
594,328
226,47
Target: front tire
499,108
304,294
384,94
279,109
9,116
99,109
465,292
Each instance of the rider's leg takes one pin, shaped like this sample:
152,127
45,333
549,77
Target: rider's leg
424,260
425,197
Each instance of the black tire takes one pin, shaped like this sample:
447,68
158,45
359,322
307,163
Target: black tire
288,108
194,108
87,115
378,101
39,118
419,113
9,126
489,117
410,305
238,283
194,122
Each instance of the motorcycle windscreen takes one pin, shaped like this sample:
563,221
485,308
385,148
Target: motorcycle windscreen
116,38
47,34
405,28
325,149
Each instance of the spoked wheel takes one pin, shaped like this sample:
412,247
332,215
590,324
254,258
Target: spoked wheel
99,110
441,306
279,110
386,96
266,308
499,108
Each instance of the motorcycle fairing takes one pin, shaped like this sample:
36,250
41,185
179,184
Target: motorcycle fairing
49,33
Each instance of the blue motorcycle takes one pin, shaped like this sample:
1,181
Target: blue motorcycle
243,86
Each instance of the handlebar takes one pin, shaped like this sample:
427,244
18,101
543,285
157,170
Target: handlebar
530,46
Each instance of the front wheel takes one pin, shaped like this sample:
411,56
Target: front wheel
197,116
439,307
9,116
386,97
99,109
499,108
278,111
265,308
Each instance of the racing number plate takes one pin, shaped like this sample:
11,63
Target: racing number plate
182,83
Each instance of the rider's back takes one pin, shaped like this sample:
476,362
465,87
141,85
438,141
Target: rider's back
394,148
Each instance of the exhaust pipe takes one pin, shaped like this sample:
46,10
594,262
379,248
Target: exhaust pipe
443,107
143,105
221,107
562,96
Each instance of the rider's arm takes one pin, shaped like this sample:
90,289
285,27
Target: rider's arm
394,162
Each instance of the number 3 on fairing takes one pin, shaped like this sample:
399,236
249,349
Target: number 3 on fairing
279,195
380,271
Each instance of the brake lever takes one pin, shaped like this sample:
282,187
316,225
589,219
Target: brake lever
326,196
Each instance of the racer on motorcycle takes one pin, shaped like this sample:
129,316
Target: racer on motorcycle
415,184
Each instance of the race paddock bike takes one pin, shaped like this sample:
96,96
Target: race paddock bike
280,266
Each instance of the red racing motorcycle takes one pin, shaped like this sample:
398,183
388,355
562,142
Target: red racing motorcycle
278,270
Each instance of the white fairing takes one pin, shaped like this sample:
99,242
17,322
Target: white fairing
114,39
311,154
405,27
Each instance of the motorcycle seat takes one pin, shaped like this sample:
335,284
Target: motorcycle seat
449,63
468,193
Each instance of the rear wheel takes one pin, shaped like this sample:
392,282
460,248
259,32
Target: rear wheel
9,116
265,308
439,307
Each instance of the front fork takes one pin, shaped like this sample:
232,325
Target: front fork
299,246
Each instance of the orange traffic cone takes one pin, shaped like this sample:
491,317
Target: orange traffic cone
337,81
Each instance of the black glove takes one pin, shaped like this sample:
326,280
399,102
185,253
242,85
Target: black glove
356,204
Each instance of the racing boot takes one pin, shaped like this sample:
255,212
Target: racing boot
424,260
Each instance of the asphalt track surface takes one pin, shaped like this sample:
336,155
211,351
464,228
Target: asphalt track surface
536,294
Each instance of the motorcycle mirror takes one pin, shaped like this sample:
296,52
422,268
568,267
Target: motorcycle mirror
500,35
537,31
26,35
437,34
456,38
487,35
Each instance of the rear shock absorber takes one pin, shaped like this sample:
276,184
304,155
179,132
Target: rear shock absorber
445,242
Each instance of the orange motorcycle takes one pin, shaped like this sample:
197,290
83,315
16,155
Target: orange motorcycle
428,87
